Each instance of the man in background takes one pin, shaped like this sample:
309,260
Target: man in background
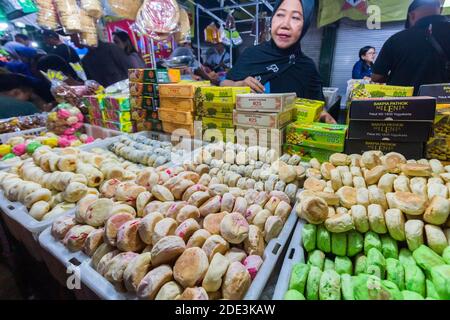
66,52
420,54
219,60
25,40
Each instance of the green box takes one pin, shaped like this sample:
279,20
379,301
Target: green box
215,123
117,102
126,127
307,113
223,92
142,75
317,135
307,153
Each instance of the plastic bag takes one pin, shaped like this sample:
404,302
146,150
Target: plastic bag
89,36
69,15
184,33
92,7
122,87
126,9
225,36
212,34
46,16
158,18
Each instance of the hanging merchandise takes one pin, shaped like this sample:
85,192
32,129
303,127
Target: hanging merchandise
158,19
212,34
93,8
14,9
263,28
88,34
69,15
46,16
126,9
225,35
232,35
184,33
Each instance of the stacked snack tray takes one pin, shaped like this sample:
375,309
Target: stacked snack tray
116,113
308,111
376,219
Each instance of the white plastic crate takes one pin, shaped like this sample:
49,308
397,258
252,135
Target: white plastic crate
31,132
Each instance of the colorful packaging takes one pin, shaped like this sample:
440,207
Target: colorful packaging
142,75
440,91
217,105
266,120
307,153
118,103
210,93
317,135
438,148
308,111
265,102
144,89
150,125
143,102
126,127
180,104
180,90
380,91
442,125
117,116
215,123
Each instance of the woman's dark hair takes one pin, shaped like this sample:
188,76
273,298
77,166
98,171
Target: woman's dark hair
364,51
10,81
125,38
56,63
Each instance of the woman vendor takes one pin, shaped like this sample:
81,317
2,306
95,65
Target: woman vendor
280,65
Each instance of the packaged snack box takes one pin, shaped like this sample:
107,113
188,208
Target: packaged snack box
442,125
307,153
144,89
440,91
142,75
271,103
317,135
117,116
308,111
175,116
118,103
143,102
150,125
180,90
438,148
143,115
380,91
217,105
411,150
267,120
210,93
126,127
170,127
180,104
215,123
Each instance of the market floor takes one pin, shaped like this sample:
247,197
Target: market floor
8,286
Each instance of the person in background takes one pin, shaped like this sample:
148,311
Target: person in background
21,58
363,68
56,63
106,64
123,41
219,59
25,40
280,66
66,52
420,54
15,94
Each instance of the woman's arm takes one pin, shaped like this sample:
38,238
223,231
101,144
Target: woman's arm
251,82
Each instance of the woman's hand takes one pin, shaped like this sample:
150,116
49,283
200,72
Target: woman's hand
254,84
327,118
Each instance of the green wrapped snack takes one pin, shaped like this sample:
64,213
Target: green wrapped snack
411,295
406,257
395,273
294,295
329,265
309,237
415,279
330,286
323,239
312,284
355,243
446,255
347,287
367,287
440,276
376,263
317,259
298,277
389,247
339,244
343,265
360,264
431,290
427,258
371,240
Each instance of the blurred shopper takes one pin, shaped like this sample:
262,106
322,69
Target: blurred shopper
66,52
363,68
123,41
16,92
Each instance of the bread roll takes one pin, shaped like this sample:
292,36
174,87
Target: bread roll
435,189
116,268
414,233
373,175
194,294
212,222
163,228
360,218
128,237
61,226
210,206
438,211
386,182
190,267
109,187
371,159
347,196
217,269
191,190
227,202
98,212
167,250
336,180
262,198
272,228
102,266
147,226
392,161
339,223
416,170
436,166
234,228
136,270
401,184
362,197
339,159
198,238
253,263
409,203
218,189
314,184
141,202
169,291
436,239
240,205
325,170
93,241
313,209
215,244
187,228
254,244
375,212
419,187
395,223
236,282
76,236
283,211
377,196
174,209
153,281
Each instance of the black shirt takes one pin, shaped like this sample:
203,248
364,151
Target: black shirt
66,52
409,59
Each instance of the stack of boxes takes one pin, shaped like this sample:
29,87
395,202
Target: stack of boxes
95,106
308,111
215,110
402,125
144,96
116,113
178,105
270,112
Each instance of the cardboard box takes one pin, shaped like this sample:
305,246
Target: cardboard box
396,109
267,120
411,150
307,114
143,115
117,116
265,102
381,91
438,148
170,127
214,123
126,127
440,91
143,102
400,131
180,104
144,89
310,103
175,116
217,105
180,90
142,75
317,135
117,102
150,125
307,153
210,93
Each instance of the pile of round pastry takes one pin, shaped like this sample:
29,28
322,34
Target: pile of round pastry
166,236
140,149
409,200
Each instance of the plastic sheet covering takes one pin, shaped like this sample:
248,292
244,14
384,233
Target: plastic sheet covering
69,15
92,7
158,18
126,9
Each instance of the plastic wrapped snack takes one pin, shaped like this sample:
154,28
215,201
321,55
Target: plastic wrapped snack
309,237
395,272
69,15
323,239
46,16
126,9
65,120
317,259
158,18
312,284
339,244
415,280
92,7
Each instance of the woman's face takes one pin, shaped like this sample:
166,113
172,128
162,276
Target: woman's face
122,45
370,56
287,24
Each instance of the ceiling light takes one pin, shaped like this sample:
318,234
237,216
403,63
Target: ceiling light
3,26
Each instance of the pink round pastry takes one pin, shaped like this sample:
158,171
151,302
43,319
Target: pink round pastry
69,132
77,125
253,264
80,117
63,143
19,149
63,114
90,139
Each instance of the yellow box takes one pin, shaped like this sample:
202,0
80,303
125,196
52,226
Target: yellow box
223,92
215,123
175,116
180,90
180,104
308,114
170,127
310,103
381,91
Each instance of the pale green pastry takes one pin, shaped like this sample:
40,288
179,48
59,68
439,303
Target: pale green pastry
339,244
323,239
415,279
393,290
330,286
406,257
427,258
355,243
317,259
431,290
312,284
371,240
360,264
411,295
298,277
329,265
294,295
395,272
440,276
376,263
347,287
389,247
446,255
343,265
309,237
367,287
